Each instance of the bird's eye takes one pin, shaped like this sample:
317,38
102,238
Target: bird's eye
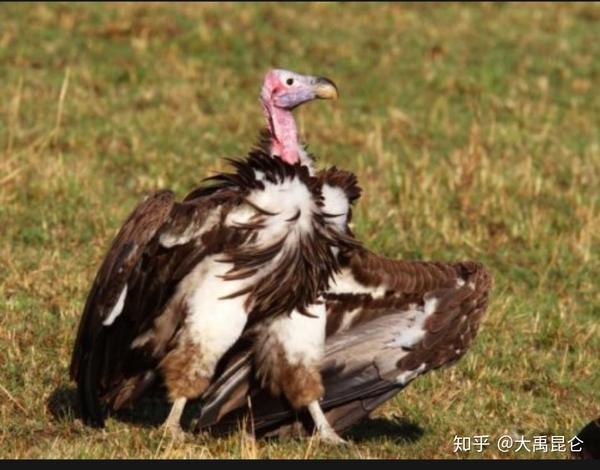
290,81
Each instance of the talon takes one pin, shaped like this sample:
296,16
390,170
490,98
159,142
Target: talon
248,436
333,440
176,433
324,431
172,424
329,436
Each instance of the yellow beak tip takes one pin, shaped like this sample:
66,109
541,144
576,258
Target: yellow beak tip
327,92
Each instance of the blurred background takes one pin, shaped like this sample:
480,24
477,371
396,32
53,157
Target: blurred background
474,130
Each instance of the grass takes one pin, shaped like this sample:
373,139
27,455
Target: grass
474,131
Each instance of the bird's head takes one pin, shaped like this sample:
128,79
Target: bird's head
286,90
283,91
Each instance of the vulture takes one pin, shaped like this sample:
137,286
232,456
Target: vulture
253,294
253,249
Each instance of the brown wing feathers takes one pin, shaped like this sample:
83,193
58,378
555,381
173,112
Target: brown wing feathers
125,252
370,269
88,364
460,290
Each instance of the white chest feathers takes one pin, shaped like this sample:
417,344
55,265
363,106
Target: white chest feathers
213,322
302,336
290,204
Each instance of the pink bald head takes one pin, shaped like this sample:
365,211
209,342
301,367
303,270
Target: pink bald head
282,91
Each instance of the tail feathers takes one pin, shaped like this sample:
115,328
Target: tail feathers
228,392
340,417
130,390
92,399
92,413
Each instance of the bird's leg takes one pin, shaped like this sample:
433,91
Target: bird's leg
173,421
290,349
324,430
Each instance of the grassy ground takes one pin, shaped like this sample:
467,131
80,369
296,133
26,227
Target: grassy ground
475,133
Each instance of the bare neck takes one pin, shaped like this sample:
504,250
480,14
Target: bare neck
284,135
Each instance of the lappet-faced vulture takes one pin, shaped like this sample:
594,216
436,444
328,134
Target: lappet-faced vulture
254,249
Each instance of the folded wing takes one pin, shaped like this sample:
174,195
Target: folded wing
158,244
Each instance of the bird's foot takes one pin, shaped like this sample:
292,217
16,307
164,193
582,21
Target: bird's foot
172,425
324,430
327,435
175,432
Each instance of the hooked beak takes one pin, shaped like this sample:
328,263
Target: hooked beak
325,89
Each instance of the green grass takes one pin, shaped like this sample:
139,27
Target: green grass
474,131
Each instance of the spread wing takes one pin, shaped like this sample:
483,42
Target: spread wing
368,285
156,246
388,322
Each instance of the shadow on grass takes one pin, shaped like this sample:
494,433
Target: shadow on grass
397,429
62,404
150,411
153,409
